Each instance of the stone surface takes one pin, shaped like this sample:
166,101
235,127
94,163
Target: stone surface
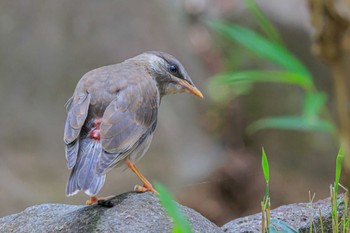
295,215
325,208
132,212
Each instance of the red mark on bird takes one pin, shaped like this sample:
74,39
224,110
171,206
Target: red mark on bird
95,131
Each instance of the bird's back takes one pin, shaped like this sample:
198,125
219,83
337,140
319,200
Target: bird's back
110,112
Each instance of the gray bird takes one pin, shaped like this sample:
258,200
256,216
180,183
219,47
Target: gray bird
112,115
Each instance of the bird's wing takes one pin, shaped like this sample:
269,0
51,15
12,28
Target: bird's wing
78,108
77,111
127,121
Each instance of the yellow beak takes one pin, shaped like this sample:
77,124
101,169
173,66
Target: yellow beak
191,89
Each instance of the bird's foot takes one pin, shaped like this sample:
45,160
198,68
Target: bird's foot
92,200
145,188
102,201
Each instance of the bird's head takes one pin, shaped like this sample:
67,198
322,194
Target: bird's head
170,74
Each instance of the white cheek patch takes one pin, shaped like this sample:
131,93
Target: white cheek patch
174,88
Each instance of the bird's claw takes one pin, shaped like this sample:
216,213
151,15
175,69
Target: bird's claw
145,188
102,201
92,200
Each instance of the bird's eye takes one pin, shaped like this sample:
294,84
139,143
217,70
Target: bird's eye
173,69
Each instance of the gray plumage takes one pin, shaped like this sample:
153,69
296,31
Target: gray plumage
113,113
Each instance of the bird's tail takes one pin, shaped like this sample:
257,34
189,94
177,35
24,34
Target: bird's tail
83,176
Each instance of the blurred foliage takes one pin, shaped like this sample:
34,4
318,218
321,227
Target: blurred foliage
180,223
268,46
264,22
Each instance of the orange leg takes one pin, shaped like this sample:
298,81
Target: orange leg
94,200
147,186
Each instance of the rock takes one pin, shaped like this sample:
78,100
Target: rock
295,215
132,212
326,211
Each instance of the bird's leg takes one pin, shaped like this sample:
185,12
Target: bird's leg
92,200
147,186
96,200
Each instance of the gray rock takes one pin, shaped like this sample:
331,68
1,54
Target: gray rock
132,212
326,211
295,215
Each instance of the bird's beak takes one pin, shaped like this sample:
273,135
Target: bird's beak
190,88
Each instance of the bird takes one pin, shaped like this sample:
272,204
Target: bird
112,115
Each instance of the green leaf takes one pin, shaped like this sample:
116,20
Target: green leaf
264,23
346,225
262,47
180,223
313,104
266,171
264,76
338,167
292,123
265,166
278,226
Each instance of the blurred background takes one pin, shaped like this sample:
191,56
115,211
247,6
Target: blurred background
201,150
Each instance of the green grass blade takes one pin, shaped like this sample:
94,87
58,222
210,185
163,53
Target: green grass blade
346,225
313,104
261,46
265,166
338,167
264,23
291,123
180,223
264,76
266,171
